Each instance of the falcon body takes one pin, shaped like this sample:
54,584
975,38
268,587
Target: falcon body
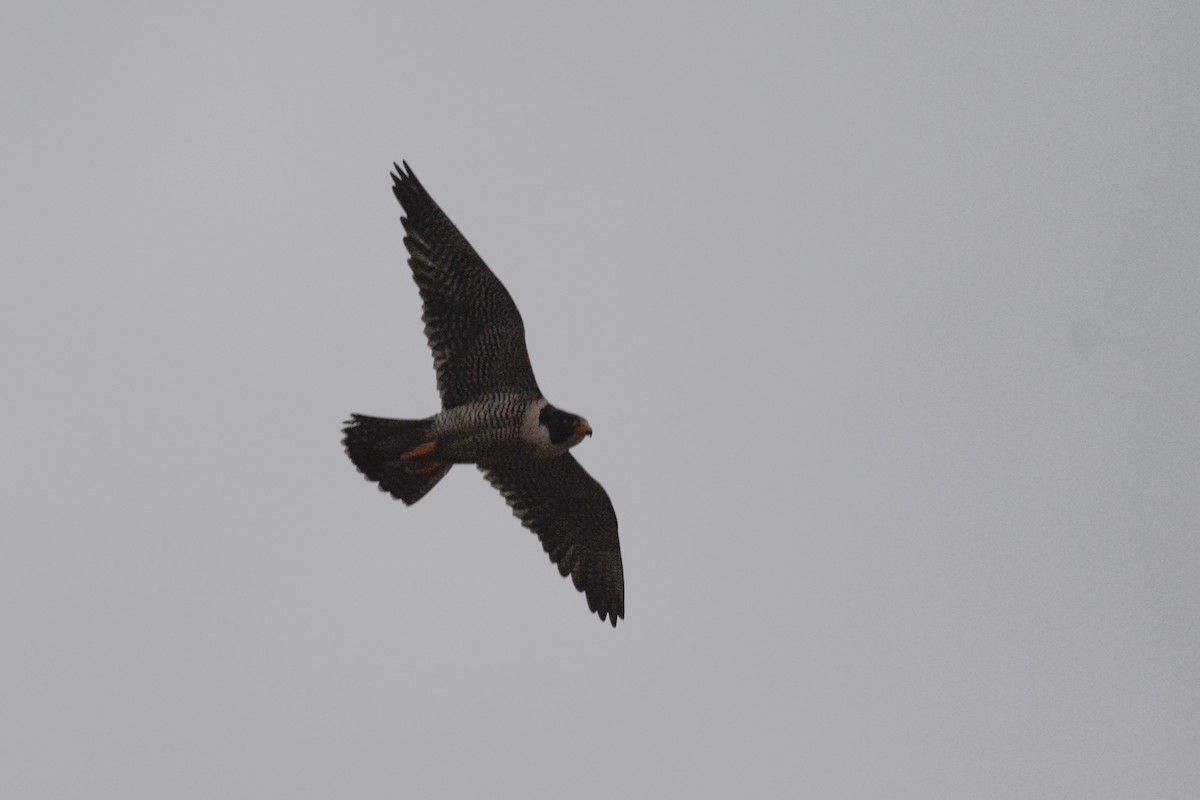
493,413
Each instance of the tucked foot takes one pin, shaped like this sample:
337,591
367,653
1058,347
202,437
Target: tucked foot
425,467
420,451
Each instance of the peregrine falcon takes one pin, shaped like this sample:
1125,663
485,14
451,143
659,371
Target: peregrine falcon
493,414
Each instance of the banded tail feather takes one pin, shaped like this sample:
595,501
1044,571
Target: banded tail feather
383,450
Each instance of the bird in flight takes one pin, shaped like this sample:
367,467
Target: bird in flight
493,413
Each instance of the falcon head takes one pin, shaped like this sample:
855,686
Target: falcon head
565,430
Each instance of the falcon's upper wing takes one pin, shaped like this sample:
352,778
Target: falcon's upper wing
471,322
572,515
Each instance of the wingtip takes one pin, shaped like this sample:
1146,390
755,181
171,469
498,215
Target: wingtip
608,613
611,616
406,186
401,171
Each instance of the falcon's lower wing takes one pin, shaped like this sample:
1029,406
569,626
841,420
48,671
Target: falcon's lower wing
572,515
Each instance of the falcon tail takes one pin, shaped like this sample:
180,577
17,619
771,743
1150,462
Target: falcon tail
395,453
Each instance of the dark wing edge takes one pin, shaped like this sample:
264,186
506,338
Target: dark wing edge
472,325
572,516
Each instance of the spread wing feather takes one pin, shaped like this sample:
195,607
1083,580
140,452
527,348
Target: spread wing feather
471,322
572,516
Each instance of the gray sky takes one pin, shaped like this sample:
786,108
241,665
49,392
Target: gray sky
886,316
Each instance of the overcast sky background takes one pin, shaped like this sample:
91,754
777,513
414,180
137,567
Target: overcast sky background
886,316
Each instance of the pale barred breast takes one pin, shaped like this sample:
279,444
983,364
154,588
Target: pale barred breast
488,428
